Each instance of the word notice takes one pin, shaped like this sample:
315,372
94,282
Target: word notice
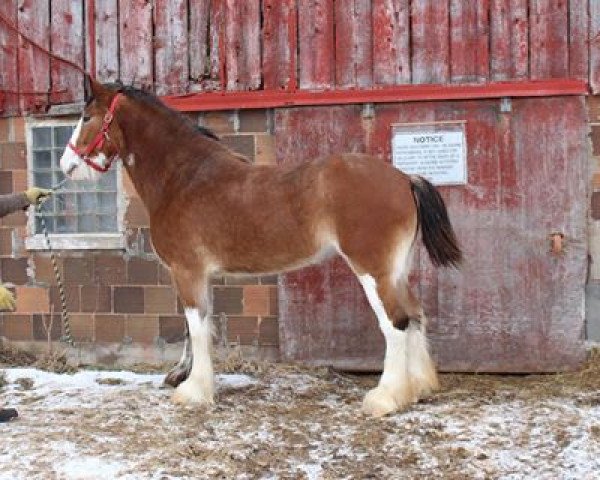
439,156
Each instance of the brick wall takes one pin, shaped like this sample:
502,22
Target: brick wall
593,284
124,299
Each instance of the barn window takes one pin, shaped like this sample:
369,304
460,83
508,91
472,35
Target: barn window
80,215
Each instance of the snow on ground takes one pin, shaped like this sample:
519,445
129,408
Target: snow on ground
292,423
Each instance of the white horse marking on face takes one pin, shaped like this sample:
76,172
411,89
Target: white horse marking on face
73,166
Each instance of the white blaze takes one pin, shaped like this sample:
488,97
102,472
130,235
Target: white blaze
73,166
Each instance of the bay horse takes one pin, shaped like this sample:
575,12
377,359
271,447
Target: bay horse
213,212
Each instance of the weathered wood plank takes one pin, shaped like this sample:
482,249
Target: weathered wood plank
578,39
316,44
217,21
135,47
594,45
513,306
199,12
9,72
391,42
509,43
279,44
469,41
107,41
171,68
353,43
66,39
242,45
430,42
549,36
34,65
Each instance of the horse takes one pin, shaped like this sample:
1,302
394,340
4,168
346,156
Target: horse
213,212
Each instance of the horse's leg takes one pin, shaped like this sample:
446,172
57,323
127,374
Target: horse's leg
199,385
421,369
395,389
181,371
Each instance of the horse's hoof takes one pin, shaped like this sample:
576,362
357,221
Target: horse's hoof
176,376
381,400
378,402
191,393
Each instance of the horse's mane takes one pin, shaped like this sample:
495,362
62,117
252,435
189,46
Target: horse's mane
151,99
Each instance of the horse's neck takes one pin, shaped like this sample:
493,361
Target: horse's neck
157,155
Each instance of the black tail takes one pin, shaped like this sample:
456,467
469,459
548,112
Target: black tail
436,230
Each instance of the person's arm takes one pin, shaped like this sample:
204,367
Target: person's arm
18,201
13,202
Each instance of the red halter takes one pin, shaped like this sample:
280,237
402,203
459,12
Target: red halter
99,139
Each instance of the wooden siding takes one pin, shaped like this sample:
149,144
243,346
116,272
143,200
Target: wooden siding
513,306
181,46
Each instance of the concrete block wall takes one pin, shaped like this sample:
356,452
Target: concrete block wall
121,303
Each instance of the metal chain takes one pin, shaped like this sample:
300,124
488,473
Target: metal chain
67,337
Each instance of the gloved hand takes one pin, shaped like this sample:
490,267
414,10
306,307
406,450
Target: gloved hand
7,299
35,194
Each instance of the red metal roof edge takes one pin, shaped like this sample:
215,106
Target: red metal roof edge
210,101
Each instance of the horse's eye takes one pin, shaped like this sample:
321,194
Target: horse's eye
86,118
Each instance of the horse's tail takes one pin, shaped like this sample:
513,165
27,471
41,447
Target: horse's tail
436,230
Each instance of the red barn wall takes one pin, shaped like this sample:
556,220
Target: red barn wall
197,46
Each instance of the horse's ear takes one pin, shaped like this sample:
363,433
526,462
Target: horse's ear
93,90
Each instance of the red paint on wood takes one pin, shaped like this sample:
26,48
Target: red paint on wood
594,43
34,65
316,44
90,37
578,39
217,42
391,42
407,93
353,43
199,39
549,47
106,41
513,306
242,45
430,42
9,71
67,41
279,52
509,43
135,32
469,41
171,69
323,312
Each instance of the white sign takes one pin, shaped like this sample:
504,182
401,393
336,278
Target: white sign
439,155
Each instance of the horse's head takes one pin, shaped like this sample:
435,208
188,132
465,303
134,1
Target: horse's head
97,139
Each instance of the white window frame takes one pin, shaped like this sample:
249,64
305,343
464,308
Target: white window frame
72,241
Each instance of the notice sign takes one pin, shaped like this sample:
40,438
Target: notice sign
435,151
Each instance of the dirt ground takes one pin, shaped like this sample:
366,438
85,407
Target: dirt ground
285,422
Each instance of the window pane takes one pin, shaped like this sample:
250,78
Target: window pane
42,160
65,202
108,223
86,224
66,224
49,224
87,203
59,176
62,135
43,180
42,137
107,203
108,181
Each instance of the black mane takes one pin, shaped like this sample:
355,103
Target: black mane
149,98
